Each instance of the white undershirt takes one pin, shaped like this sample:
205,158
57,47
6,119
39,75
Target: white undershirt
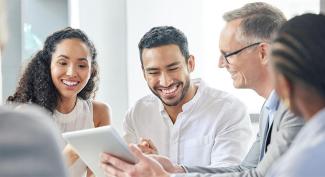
81,117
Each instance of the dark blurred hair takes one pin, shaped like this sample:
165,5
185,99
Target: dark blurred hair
164,35
301,59
36,85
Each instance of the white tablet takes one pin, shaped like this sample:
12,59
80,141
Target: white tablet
90,143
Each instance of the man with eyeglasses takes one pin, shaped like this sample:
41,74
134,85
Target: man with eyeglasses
244,44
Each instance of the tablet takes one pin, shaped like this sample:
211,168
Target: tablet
89,143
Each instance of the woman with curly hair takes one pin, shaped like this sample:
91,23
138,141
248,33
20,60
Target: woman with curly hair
62,78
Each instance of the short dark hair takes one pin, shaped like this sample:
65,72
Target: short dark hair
164,35
301,58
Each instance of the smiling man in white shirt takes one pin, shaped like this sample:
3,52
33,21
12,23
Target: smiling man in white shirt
184,119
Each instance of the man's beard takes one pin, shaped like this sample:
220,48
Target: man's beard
185,88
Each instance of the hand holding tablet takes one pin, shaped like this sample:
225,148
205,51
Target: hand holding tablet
90,143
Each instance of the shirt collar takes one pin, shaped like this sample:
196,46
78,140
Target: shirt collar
272,102
201,86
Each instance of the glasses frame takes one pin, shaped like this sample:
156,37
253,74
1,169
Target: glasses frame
225,56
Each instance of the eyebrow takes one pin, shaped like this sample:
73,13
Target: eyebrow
173,64
62,56
66,57
151,69
168,66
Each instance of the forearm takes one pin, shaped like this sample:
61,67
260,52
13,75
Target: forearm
223,173
198,169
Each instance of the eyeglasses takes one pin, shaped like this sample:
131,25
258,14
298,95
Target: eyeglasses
225,55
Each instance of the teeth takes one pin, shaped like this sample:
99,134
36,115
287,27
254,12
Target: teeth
70,83
170,90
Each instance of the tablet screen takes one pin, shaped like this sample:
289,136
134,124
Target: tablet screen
89,143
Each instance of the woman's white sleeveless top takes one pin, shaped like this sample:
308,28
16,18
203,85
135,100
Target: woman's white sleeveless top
81,117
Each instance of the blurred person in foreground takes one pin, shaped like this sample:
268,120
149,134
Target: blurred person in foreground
299,68
29,141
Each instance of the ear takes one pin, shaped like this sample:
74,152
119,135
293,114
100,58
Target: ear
191,63
264,53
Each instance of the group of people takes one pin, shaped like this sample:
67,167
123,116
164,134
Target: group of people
186,128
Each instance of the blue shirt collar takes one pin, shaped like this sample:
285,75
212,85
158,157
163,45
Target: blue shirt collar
272,102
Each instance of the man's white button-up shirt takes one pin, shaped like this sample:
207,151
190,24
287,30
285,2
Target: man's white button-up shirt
212,130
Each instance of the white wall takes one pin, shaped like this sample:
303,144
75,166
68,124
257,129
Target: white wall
11,56
322,6
3,37
104,21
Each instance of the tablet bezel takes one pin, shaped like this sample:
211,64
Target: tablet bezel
89,143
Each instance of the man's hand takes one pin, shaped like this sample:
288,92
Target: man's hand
167,164
146,166
147,146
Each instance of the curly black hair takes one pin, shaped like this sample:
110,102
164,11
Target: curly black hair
36,85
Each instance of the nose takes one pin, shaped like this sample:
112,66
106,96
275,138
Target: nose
165,80
222,62
71,71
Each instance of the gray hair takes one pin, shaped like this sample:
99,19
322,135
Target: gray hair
260,22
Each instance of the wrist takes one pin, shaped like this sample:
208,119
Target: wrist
179,169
